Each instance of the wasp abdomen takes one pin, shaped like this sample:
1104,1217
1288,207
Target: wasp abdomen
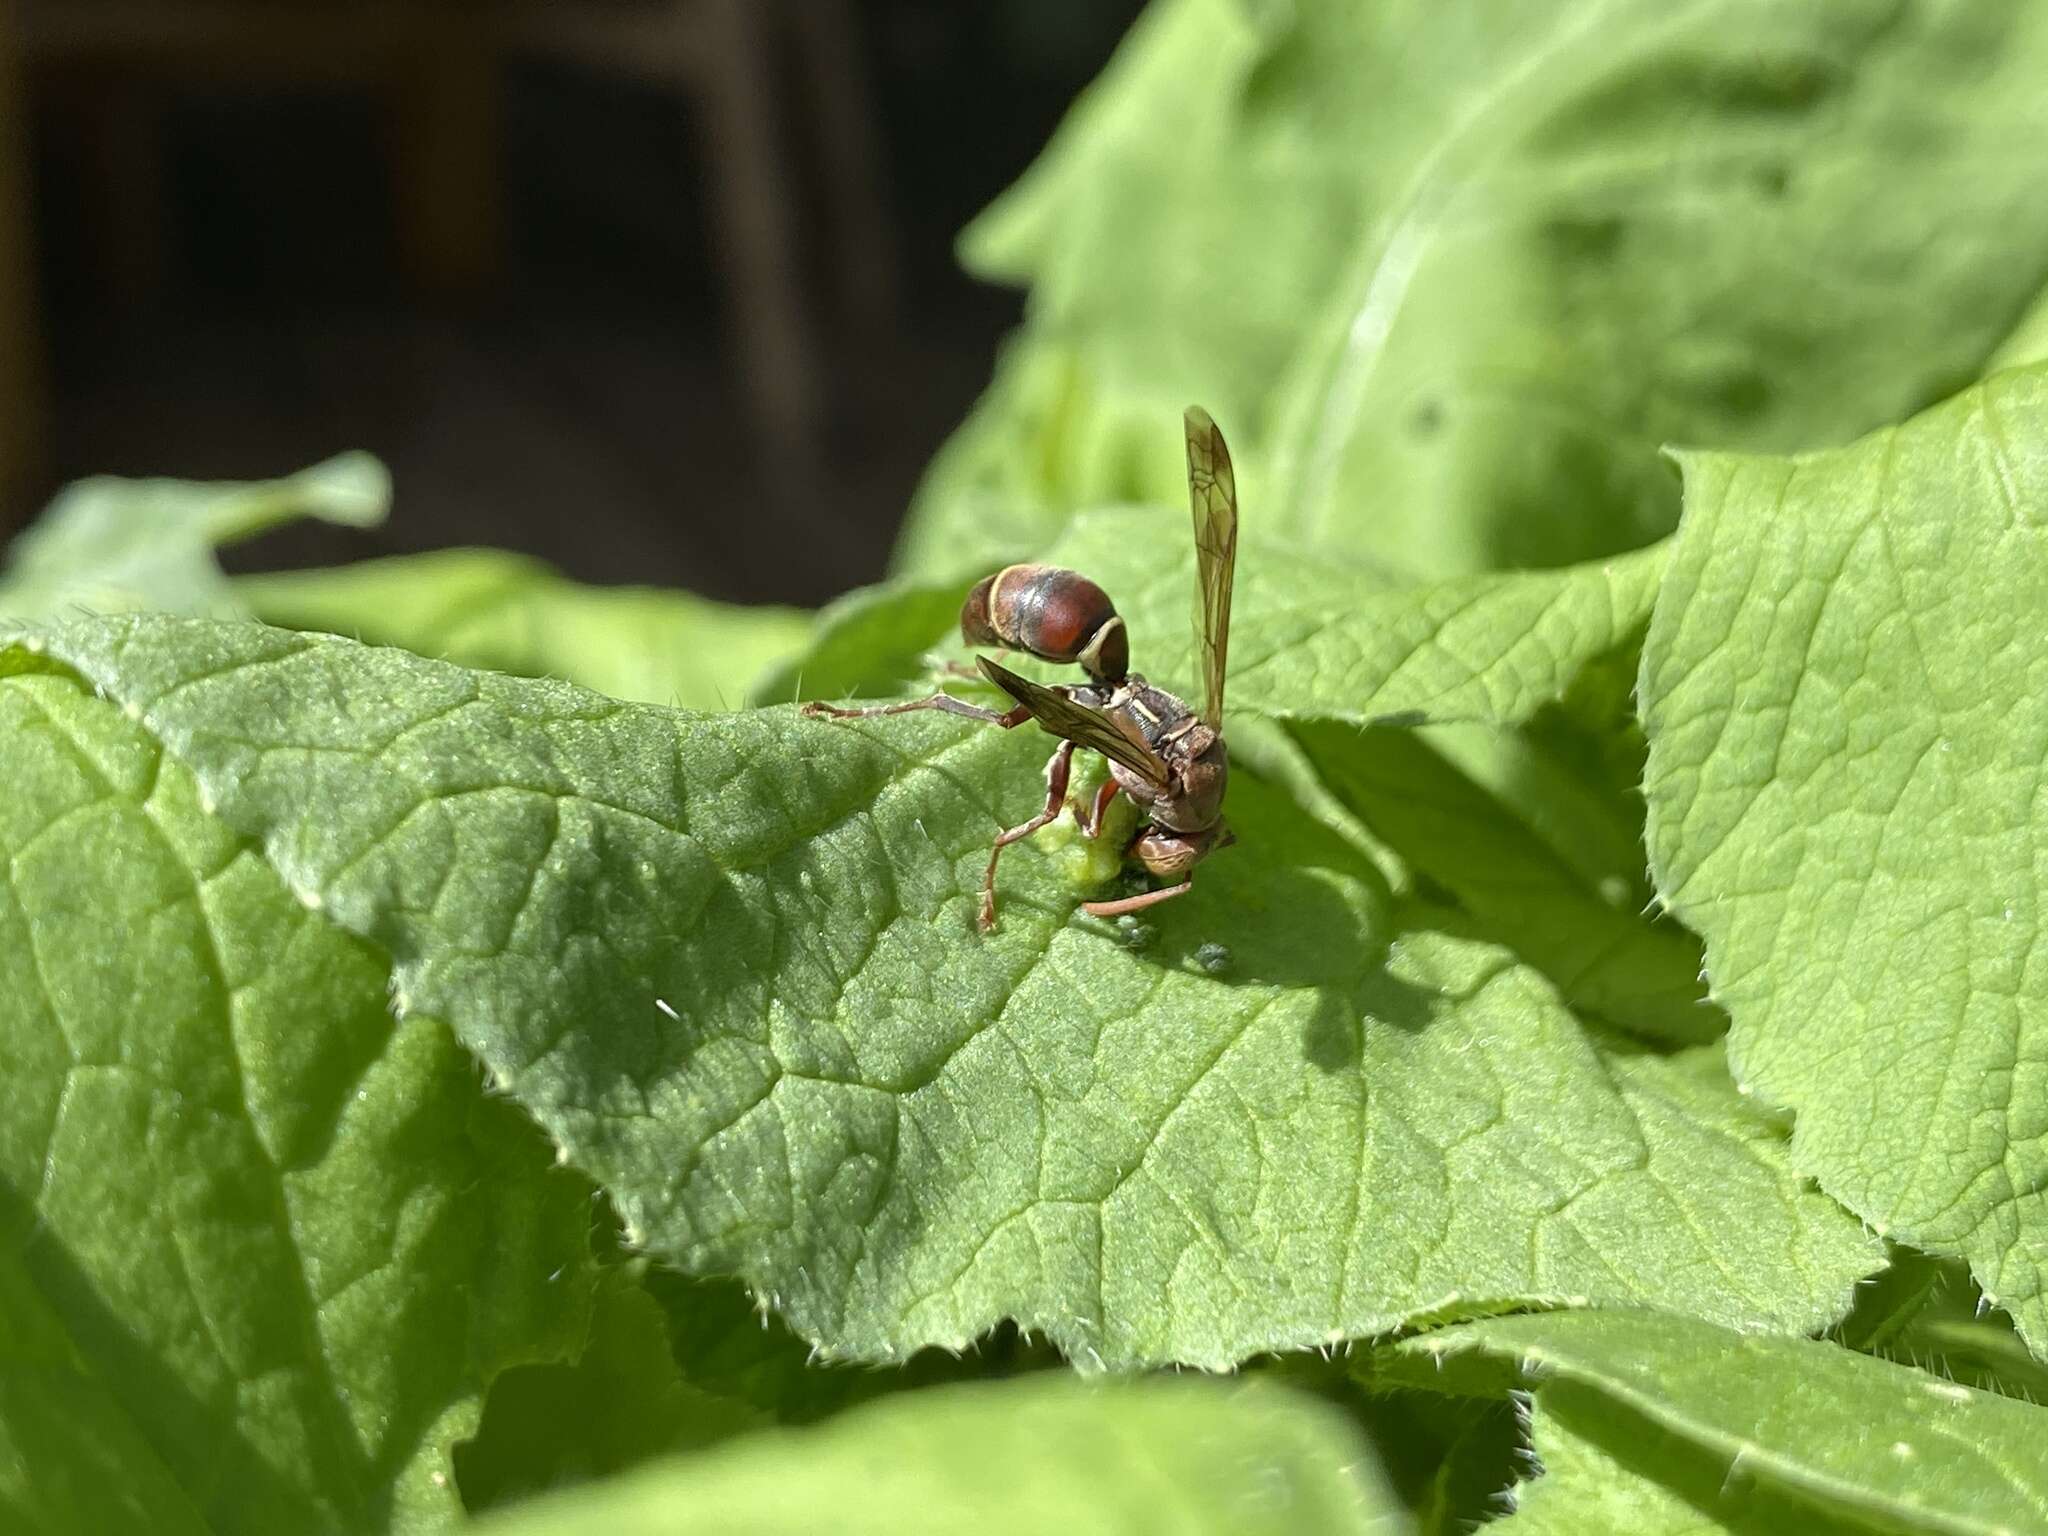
1057,614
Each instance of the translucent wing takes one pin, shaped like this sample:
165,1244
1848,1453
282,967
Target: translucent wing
1212,489
1097,730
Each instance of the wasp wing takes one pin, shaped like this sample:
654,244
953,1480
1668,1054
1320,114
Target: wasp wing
1212,489
1082,724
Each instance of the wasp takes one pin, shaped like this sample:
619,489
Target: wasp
1169,760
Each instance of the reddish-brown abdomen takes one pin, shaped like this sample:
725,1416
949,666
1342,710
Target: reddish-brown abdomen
1058,614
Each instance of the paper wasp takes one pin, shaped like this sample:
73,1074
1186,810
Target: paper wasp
1169,760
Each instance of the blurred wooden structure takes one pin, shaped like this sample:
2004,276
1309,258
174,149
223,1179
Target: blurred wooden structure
437,70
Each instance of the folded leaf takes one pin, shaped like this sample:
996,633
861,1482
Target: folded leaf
1843,692
1742,1426
1585,1491
729,963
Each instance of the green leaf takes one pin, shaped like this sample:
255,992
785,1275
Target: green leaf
1745,1427
1040,444
70,1457
1928,1312
2028,342
1842,689
486,608
108,544
1048,1454
621,1402
256,1240
1584,1491
729,963
869,643
1452,1461
1450,275
1582,929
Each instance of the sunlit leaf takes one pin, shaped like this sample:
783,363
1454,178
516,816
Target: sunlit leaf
729,962
1846,695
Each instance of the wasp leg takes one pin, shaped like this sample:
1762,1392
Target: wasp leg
943,701
1090,821
1056,770
1136,903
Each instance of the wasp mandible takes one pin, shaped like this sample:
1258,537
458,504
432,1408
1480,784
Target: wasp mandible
1169,760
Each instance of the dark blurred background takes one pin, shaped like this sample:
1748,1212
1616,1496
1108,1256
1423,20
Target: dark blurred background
659,290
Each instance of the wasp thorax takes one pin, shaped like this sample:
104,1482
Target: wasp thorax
1057,614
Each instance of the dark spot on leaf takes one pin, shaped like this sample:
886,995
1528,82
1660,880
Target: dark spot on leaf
1426,419
1742,392
1772,178
1213,958
1584,239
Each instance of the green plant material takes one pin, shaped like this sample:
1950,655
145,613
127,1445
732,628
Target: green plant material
2028,342
1039,445
109,544
622,1401
1049,1454
1584,1491
1842,689
487,608
1928,1312
869,643
728,962
1757,1431
261,1248
1450,275
1452,1461
1584,932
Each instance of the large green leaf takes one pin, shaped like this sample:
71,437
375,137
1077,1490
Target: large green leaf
1760,1433
1846,693
1051,1454
110,544
1451,272
729,963
258,1243
486,608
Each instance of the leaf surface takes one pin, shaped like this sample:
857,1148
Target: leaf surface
258,1243
729,963
1452,274
1046,1454
1846,696
1759,1431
